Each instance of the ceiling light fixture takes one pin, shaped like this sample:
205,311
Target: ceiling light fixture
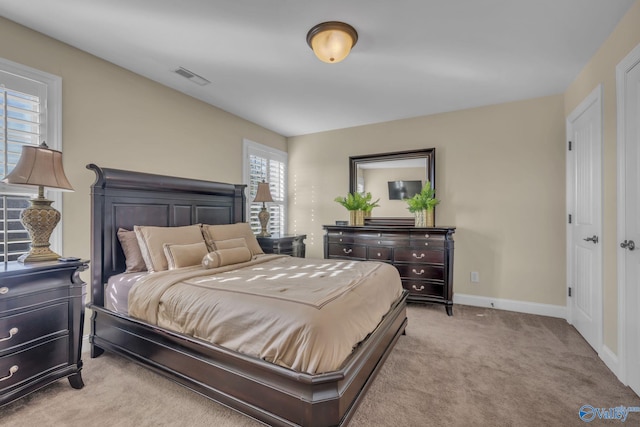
332,41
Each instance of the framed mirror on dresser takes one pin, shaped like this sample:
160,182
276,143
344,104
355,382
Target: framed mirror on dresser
422,255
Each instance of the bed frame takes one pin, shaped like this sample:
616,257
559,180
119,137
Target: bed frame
264,391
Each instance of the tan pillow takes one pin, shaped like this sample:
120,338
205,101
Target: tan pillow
184,255
132,256
214,233
151,240
224,257
231,243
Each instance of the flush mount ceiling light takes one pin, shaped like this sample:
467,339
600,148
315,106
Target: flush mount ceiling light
332,41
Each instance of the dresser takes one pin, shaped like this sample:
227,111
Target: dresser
286,244
41,320
423,256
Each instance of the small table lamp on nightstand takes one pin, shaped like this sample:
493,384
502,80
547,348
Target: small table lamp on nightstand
263,195
42,167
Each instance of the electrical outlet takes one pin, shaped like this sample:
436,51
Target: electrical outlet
475,277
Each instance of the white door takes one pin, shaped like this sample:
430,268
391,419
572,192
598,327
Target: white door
584,193
628,81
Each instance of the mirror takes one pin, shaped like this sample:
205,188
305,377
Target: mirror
392,177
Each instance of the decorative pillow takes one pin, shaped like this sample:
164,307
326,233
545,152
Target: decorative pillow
231,243
132,256
184,255
152,238
215,233
224,257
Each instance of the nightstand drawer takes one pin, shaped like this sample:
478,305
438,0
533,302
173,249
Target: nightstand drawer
30,325
418,255
15,300
27,364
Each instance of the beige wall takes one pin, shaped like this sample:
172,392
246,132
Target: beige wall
500,175
601,69
115,118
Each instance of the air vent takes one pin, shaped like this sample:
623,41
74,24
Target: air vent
192,76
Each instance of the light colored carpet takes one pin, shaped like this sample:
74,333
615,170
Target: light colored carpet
481,367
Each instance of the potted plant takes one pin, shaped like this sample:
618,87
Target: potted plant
422,204
369,205
357,203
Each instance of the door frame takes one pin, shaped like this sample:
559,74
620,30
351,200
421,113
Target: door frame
595,97
629,61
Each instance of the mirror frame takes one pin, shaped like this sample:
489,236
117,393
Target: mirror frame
428,153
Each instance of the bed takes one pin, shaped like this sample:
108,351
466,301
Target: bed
268,392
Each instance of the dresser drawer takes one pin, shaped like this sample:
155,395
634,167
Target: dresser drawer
348,251
379,254
27,364
30,325
421,271
422,235
424,288
340,238
381,239
418,255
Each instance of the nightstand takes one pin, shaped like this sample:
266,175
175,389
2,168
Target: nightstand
41,321
286,244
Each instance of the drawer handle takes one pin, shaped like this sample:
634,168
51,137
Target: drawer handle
418,272
418,257
341,239
426,236
415,288
347,251
426,243
379,234
379,242
12,332
12,370
4,290
379,254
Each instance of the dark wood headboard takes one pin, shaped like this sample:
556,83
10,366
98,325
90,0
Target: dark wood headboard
122,199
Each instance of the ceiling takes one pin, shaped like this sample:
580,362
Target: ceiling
412,58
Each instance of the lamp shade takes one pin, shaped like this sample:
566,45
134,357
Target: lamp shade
41,166
332,41
263,194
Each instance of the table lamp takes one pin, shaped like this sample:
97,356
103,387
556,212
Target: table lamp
263,195
42,167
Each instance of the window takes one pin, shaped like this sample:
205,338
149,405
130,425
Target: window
29,115
262,163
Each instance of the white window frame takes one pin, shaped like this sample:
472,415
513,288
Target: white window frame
250,147
52,135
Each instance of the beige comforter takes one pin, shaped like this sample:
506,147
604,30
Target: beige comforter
303,314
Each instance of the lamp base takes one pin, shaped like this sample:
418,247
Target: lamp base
39,220
263,216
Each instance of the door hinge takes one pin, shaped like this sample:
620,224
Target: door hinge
569,290
569,145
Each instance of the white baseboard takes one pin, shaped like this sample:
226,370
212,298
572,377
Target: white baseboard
86,345
512,305
611,360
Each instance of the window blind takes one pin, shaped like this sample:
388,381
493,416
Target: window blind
269,165
22,122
